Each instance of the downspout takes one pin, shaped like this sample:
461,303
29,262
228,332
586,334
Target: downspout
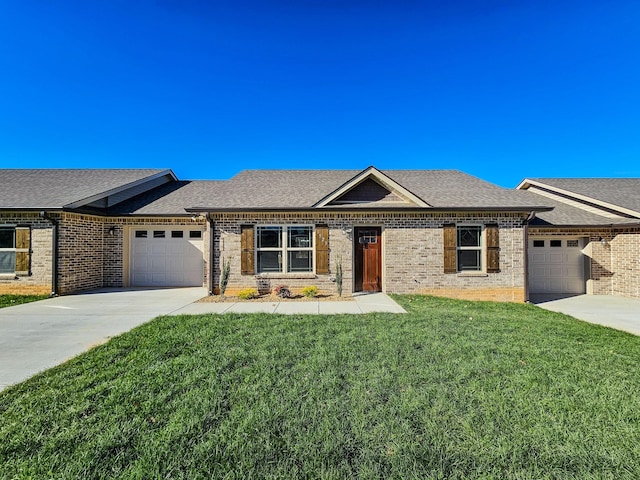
525,241
211,253
54,252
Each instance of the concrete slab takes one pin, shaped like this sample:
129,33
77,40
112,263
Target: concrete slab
377,302
620,313
36,336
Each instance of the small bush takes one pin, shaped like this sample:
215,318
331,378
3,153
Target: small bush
282,291
224,277
247,294
310,292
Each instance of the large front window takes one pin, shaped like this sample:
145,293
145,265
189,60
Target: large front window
284,249
7,250
469,248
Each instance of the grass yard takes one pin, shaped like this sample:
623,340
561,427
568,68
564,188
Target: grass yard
11,300
452,389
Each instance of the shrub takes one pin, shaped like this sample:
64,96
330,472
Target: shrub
282,291
247,294
339,276
310,292
224,276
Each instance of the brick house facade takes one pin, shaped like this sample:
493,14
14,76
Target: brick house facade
424,232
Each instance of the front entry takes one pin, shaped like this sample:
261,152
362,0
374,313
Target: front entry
368,259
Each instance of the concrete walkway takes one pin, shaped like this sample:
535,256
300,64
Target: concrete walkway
39,335
620,313
362,303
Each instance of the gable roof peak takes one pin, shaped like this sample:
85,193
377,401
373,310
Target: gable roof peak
380,177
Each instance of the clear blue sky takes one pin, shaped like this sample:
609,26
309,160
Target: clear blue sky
499,89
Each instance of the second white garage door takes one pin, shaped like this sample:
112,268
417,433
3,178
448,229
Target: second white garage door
166,257
556,265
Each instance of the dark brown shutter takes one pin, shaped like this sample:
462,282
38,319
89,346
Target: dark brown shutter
322,249
23,250
450,250
246,246
493,248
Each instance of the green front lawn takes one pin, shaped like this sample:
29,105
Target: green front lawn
11,300
453,389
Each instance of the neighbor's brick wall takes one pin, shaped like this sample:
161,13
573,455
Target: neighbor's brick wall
80,252
39,282
412,253
625,262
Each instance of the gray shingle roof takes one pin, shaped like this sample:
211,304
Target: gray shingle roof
623,192
168,199
55,188
298,189
567,215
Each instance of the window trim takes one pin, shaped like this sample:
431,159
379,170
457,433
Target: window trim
285,249
480,248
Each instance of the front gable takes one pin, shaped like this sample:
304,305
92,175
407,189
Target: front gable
373,188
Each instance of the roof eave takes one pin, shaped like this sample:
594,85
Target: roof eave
121,188
526,209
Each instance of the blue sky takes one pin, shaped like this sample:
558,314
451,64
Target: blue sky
499,89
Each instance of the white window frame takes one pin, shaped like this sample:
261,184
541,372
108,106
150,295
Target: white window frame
13,249
479,248
284,248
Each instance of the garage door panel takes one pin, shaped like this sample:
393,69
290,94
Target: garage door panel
169,260
557,269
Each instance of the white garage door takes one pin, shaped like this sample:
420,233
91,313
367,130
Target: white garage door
556,265
166,257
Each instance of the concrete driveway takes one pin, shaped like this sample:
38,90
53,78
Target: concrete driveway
36,336
620,313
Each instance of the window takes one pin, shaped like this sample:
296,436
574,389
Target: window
158,234
573,243
7,250
284,249
555,243
177,233
538,243
469,246
195,234
141,234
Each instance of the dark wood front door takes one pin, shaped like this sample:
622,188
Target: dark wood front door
368,259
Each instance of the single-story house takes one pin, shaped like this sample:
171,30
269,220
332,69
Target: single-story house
590,241
439,232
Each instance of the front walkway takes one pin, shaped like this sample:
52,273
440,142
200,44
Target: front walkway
621,313
362,303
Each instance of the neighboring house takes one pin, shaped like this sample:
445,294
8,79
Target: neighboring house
63,231
438,232
590,241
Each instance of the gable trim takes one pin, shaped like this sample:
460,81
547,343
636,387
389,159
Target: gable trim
590,201
121,188
378,176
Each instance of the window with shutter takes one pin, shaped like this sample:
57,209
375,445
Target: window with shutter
7,250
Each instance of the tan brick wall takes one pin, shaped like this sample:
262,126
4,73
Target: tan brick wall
39,281
412,253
